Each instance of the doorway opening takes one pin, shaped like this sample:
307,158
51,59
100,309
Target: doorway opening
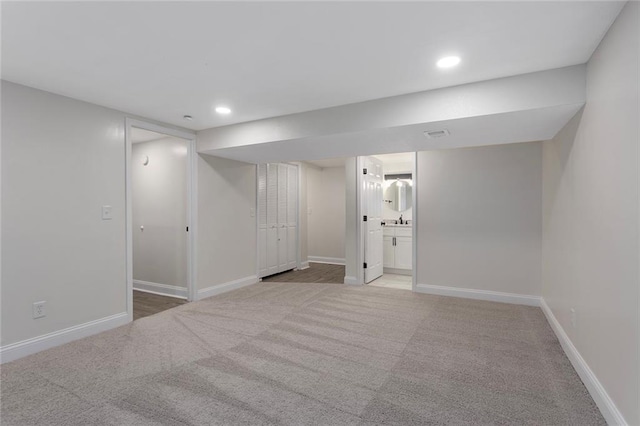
356,222
160,218
388,232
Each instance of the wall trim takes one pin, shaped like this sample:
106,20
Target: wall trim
329,260
351,280
161,289
46,341
607,407
468,293
225,287
304,265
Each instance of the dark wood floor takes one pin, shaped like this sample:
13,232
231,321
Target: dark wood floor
316,273
145,304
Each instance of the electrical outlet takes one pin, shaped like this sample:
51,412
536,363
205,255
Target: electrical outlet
573,317
252,212
39,310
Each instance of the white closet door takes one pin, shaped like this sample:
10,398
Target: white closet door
282,217
262,219
272,219
292,216
277,218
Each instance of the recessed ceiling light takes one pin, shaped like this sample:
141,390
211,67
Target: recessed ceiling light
448,62
223,110
187,117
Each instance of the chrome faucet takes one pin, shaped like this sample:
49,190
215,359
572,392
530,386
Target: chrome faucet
401,220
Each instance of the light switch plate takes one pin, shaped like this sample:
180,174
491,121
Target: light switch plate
107,213
252,212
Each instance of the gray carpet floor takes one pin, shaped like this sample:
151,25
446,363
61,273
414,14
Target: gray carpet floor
283,353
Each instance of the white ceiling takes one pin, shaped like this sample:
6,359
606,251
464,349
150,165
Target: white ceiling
162,60
400,157
328,162
511,127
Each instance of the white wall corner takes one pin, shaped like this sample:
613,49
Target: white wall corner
607,407
468,293
46,341
329,260
161,289
225,287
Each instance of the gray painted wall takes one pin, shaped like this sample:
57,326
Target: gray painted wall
591,218
62,160
226,230
159,196
326,203
479,218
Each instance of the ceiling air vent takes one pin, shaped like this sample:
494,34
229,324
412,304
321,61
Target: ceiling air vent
436,134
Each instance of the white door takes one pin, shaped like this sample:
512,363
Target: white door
262,219
283,223
292,216
372,209
272,219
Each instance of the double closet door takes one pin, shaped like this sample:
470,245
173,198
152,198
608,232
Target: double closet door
277,217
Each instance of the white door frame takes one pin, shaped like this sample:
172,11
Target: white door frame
360,227
191,204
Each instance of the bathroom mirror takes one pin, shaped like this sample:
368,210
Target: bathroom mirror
398,195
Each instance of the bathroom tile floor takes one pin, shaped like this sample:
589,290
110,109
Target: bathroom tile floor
402,282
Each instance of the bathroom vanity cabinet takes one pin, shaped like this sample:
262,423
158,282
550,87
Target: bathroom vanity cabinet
398,249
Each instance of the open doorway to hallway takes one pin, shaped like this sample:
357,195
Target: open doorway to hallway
159,189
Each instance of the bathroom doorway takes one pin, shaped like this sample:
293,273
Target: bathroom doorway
388,246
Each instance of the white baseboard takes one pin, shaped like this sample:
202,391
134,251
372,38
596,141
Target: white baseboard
607,407
161,289
468,293
304,265
329,260
351,280
225,287
46,341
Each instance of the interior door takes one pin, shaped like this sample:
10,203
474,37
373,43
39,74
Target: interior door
283,222
371,207
272,219
292,216
262,219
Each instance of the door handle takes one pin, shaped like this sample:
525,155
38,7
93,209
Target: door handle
394,241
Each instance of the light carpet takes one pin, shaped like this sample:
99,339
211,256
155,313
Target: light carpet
321,354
